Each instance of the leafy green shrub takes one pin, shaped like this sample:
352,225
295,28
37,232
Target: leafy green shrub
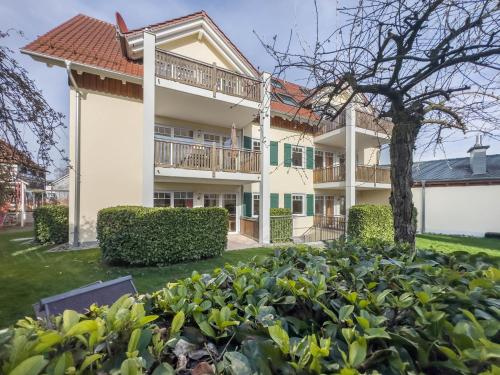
153,236
343,310
369,222
281,225
51,224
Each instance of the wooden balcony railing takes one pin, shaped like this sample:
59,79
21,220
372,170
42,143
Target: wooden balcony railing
329,174
205,157
211,77
364,173
373,173
363,120
368,121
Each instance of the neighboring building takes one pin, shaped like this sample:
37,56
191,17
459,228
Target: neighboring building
27,180
57,191
459,196
173,114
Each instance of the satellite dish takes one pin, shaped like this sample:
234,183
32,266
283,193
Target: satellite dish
122,26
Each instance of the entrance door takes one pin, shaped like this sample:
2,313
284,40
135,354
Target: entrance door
229,203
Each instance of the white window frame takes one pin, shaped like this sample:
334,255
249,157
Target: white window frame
255,144
303,198
169,193
172,196
253,203
302,150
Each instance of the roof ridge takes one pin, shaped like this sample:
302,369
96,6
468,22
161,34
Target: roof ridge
200,12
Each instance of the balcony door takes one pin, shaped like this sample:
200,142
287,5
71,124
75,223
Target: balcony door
228,201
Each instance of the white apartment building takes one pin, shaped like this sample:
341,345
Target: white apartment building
174,115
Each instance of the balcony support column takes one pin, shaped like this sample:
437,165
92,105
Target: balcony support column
350,159
265,125
149,64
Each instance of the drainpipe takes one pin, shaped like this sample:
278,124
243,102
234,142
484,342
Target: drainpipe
79,95
422,226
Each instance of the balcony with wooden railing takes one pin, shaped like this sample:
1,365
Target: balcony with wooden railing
364,173
199,74
364,120
214,158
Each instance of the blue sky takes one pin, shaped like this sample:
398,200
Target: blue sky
240,20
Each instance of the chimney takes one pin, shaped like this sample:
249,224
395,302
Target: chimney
478,156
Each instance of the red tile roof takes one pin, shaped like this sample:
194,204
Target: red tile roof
296,92
89,41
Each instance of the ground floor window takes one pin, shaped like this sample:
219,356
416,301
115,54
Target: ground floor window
162,199
183,199
211,200
173,199
319,208
255,204
298,204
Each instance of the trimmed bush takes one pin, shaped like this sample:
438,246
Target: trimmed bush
369,222
281,225
51,224
346,309
156,236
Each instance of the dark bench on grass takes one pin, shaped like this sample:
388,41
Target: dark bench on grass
101,293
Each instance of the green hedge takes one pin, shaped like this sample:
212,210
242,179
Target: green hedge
281,225
155,236
51,224
342,310
370,222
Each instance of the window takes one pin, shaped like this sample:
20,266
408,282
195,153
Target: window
329,159
319,205
210,200
298,204
318,159
161,199
297,156
211,138
274,97
255,204
164,131
183,133
183,199
287,99
276,84
255,145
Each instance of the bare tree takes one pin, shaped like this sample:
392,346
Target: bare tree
426,65
24,112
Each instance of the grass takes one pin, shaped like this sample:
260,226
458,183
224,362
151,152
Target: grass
448,244
28,273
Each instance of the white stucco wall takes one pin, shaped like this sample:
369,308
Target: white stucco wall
111,157
467,210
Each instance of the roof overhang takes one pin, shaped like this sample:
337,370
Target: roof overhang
200,26
80,68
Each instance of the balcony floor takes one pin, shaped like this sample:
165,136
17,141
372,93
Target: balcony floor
238,241
200,176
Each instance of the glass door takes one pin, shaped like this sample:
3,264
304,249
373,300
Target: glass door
229,203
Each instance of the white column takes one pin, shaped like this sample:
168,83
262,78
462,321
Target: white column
265,125
149,118
350,159
23,203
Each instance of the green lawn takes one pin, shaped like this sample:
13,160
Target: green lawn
447,244
28,274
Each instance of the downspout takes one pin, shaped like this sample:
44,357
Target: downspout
422,226
79,95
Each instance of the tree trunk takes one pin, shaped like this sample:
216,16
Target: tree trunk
403,140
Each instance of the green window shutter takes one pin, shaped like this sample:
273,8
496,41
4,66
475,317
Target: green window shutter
310,204
275,200
247,201
310,158
288,201
288,155
247,143
274,152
